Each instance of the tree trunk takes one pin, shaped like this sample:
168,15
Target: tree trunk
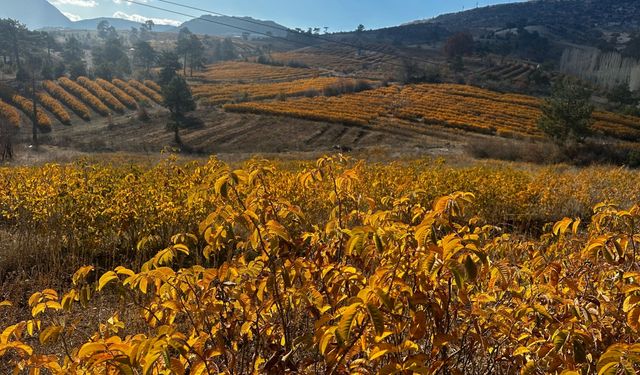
35,110
185,65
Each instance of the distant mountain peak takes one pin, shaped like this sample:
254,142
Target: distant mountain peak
36,14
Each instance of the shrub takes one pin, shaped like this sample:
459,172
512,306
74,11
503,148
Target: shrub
55,107
69,100
85,96
122,96
131,91
9,114
26,106
153,95
102,94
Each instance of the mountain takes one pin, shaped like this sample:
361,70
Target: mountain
578,21
228,26
118,23
36,14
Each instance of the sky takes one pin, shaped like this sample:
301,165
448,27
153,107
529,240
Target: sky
337,15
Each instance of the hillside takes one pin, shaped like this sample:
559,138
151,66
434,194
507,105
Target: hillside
118,23
578,21
232,26
35,14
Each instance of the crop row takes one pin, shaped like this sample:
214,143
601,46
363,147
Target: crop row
153,86
131,91
69,100
84,94
246,72
55,107
148,92
26,106
448,105
9,114
102,94
215,94
122,96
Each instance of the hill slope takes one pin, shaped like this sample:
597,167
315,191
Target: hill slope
35,14
231,26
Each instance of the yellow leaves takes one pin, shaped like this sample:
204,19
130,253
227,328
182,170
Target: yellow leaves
105,279
376,317
277,229
561,227
348,315
81,274
6,304
50,334
91,348
453,205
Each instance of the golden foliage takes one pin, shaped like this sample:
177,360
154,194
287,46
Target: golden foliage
69,100
131,91
106,97
84,95
150,93
9,114
55,107
153,86
238,72
26,106
122,96
337,267
215,94
448,105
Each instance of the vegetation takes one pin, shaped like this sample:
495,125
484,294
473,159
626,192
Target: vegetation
122,96
215,94
69,100
451,106
567,114
55,107
102,94
179,101
86,96
343,266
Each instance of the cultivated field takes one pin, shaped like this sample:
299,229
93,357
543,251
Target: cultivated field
333,266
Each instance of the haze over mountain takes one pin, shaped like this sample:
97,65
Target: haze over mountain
217,25
35,14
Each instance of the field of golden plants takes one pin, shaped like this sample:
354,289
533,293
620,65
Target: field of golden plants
216,94
448,105
335,266
64,96
247,72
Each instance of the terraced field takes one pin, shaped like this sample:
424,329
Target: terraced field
447,105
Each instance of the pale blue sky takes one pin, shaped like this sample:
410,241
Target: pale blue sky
336,14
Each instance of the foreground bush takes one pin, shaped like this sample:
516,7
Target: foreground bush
341,267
